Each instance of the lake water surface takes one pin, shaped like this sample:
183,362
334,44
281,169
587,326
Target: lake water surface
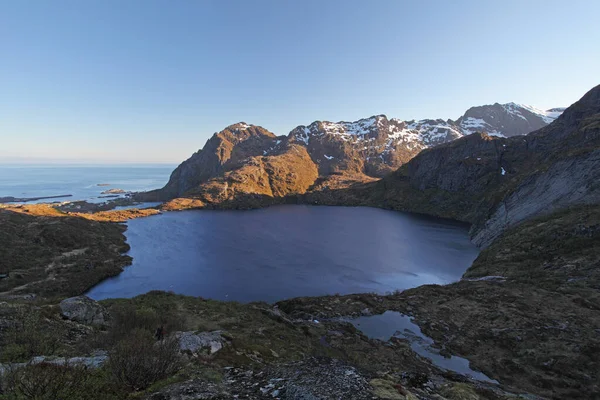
289,251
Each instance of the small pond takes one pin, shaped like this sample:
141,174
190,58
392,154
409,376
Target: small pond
394,324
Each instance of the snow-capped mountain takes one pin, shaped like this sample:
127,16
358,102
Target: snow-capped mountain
507,120
248,158
382,145
373,146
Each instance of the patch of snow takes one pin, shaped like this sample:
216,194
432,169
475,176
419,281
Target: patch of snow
514,109
502,171
357,128
546,115
328,157
304,135
471,125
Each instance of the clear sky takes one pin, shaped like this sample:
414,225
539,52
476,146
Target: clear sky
150,81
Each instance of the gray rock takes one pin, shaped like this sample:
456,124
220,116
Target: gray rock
566,183
113,191
277,315
96,360
191,390
84,310
207,342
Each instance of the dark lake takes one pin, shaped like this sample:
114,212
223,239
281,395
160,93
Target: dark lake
289,251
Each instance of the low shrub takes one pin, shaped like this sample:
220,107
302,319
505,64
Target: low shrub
138,360
47,381
31,336
127,318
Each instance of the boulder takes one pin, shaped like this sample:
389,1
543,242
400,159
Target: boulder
84,310
201,342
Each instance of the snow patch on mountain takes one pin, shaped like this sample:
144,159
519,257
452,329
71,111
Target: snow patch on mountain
547,115
390,140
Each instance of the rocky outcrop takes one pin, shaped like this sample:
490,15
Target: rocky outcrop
113,191
96,360
84,310
200,342
310,380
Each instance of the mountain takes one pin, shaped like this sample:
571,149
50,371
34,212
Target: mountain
495,183
506,119
249,160
241,159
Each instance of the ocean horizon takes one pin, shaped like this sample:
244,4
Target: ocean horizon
80,181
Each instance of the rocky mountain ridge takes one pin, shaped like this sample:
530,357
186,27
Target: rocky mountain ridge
242,157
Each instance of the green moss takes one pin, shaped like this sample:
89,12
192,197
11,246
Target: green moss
384,389
460,391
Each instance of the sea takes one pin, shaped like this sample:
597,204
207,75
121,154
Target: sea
82,182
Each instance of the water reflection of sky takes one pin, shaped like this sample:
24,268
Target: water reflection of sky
289,251
392,323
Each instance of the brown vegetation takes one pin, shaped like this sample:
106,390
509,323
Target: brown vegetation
48,254
138,360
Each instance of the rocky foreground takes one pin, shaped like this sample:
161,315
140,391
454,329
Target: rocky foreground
527,314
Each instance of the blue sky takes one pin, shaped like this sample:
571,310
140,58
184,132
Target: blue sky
150,81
